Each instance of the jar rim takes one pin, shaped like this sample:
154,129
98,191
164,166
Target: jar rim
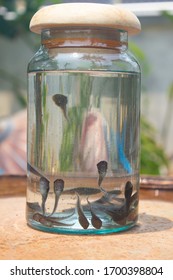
93,37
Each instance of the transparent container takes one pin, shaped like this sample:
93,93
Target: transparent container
83,132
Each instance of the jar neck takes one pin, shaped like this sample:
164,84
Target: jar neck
83,37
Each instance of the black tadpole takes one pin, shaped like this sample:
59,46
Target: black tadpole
61,101
44,190
102,167
128,193
48,222
95,220
58,189
81,216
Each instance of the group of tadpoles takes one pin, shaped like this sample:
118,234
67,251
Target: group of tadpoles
118,209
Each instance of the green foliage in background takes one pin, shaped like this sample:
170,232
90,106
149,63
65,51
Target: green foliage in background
168,114
153,157
140,56
15,16
14,21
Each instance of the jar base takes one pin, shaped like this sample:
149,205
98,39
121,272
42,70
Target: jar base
77,231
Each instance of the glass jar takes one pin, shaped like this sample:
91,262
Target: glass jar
83,132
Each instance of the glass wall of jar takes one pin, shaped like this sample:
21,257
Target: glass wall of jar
83,132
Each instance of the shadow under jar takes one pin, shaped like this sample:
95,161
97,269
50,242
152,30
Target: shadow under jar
83,129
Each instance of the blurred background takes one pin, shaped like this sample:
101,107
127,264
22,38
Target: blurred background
153,49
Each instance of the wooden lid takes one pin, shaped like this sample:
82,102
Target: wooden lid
85,14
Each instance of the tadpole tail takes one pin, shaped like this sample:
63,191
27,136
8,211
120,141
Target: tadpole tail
64,110
43,206
35,171
117,216
58,189
81,216
61,218
55,206
128,193
49,222
102,170
44,190
100,180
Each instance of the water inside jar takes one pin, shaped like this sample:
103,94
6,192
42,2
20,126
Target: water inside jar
83,145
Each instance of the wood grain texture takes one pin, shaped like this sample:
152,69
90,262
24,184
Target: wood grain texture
12,185
84,14
152,238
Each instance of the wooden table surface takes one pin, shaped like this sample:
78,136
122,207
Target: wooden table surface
152,238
